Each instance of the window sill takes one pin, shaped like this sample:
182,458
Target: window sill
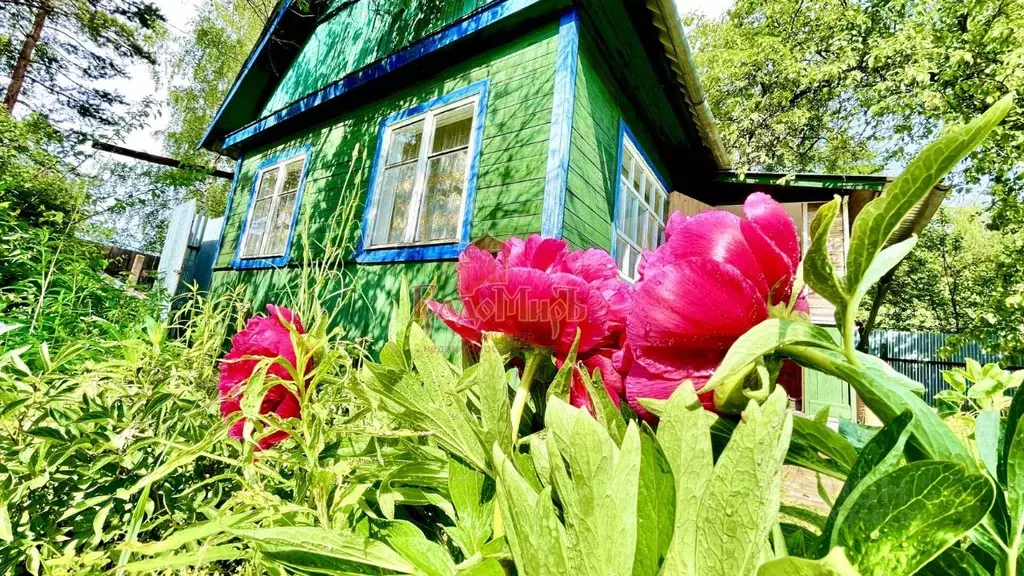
412,253
257,263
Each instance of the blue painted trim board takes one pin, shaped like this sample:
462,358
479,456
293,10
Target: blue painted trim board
624,133
418,253
227,208
400,59
240,263
245,70
557,177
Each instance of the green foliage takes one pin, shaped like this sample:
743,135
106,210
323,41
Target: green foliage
52,282
944,284
203,67
853,87
83,47
976,388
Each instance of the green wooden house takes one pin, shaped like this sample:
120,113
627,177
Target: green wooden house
404,130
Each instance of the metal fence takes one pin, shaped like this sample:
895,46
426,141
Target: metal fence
919,355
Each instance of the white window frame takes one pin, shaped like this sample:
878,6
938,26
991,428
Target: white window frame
274,205
429,119
626,187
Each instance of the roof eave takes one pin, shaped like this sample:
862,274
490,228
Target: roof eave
680,57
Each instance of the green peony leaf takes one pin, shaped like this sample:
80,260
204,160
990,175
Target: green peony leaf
605,410
429,558
535,536
324,551
431,402
185,560
835,564
986,437
472,495
597,483
562,381
492,393
820,438
741,501
489,567
953,562
656,503
909,516
888,395
819,272
1015,485
758,342
684,434
882,454
1013,420
880,218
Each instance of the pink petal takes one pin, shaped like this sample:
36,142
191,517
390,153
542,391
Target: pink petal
461,325
282,313
777,268
640,383
772,220
535,252
695,303
675,221
474,268
715,235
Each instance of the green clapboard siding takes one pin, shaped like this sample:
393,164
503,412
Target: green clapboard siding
354,34
600,105
510,184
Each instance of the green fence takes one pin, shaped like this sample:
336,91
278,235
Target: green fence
918,355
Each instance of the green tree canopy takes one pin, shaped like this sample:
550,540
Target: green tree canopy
845,86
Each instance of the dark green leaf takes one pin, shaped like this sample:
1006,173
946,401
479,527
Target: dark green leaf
908,517
882,454
1013,419
953,562
656,504
811,517
879,220
820,438
887,396
819,272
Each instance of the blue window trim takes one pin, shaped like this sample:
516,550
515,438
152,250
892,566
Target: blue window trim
422,252
444,37
227,208
557,177
624,133
240,263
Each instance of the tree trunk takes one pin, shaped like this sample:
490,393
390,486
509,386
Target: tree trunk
24,57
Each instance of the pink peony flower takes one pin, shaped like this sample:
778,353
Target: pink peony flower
613,364
263,337
539,292
714,278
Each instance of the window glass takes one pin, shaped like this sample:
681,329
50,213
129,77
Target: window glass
420,194
642,207
270,222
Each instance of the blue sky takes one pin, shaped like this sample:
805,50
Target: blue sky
179,13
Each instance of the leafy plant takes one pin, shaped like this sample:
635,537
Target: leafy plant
978,388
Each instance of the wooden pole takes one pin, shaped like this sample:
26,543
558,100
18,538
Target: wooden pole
155,159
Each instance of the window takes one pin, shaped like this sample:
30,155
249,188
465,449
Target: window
272,209
424,177
641,206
